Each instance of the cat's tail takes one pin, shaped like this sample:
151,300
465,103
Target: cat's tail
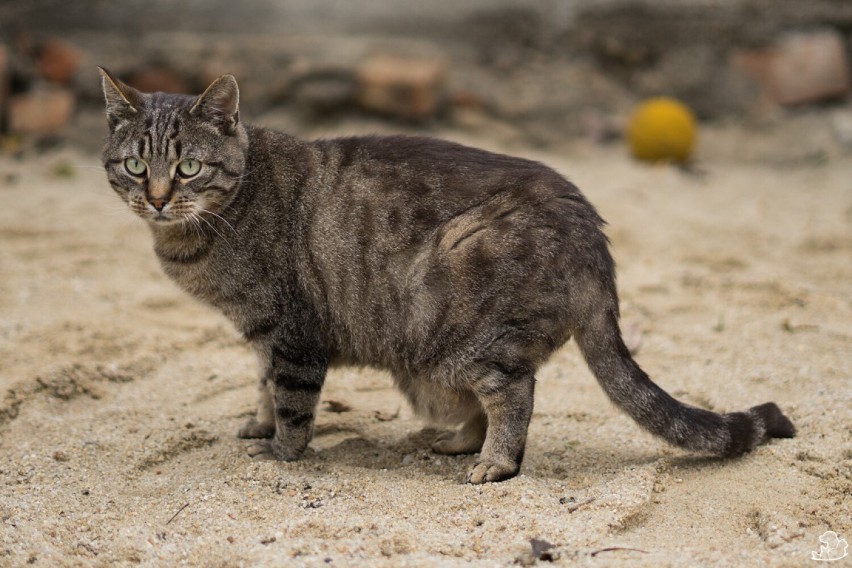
686,426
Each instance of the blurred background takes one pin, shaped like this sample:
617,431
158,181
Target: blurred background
532,72
120,397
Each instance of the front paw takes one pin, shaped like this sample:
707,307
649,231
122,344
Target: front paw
484,471
254,429
273,450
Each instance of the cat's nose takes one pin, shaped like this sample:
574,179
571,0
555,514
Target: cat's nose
157,203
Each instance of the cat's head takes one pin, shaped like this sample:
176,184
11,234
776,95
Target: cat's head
174,158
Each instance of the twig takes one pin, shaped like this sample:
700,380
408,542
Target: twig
575,506
611,548
185,505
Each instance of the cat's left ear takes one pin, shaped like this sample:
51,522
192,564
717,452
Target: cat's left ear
220,104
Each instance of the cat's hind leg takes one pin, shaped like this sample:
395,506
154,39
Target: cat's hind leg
262,425
466,440
506,395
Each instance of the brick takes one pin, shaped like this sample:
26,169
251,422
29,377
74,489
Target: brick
4,78
58,61
159,79
324,91
802,67
409,88
40,111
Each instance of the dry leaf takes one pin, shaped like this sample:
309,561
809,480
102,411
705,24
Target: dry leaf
336,406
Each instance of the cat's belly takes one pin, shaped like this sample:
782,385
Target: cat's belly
436,402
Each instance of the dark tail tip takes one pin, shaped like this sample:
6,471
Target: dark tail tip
754,427
776,424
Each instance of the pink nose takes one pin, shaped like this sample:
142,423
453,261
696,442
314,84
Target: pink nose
158,203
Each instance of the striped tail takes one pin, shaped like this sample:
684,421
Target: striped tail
685,426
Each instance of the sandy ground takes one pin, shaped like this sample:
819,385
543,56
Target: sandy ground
120,396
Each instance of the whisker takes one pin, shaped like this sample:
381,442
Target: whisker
213,228
194,223
233,230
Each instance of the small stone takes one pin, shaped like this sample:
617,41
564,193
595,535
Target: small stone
841,125
633,337
60,456
409,88
40,111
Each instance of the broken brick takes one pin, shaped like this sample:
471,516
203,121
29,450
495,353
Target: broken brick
159,79
409,88
802,67
40,111
58,61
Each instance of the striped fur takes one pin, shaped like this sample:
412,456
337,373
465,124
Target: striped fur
458,270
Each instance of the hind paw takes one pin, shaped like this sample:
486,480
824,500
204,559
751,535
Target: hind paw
454,443
254,429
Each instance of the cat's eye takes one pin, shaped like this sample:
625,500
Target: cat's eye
188,168
135,166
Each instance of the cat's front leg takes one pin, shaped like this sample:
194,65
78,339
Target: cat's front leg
294,380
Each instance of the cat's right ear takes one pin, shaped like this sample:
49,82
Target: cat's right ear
122,101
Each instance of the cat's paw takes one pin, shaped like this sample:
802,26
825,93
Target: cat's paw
254,429
273,450
453,443
485,471
261,451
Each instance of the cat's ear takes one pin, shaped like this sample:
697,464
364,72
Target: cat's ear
220,104
122,101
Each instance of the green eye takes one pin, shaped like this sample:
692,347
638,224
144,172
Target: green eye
188,168
135,166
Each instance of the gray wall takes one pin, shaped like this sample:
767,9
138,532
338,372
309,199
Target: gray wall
271,16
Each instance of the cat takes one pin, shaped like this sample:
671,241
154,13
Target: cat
458,270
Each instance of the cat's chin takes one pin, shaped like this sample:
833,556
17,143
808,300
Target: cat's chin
161,220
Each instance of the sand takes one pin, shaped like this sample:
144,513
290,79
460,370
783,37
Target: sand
120,396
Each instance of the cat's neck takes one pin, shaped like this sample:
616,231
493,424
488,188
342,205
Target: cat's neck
182,243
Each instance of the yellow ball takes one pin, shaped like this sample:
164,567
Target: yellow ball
661,129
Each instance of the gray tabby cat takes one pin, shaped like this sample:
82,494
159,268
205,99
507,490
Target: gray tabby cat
458,270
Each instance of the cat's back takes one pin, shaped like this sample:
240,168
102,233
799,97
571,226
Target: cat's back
417,165
414,185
